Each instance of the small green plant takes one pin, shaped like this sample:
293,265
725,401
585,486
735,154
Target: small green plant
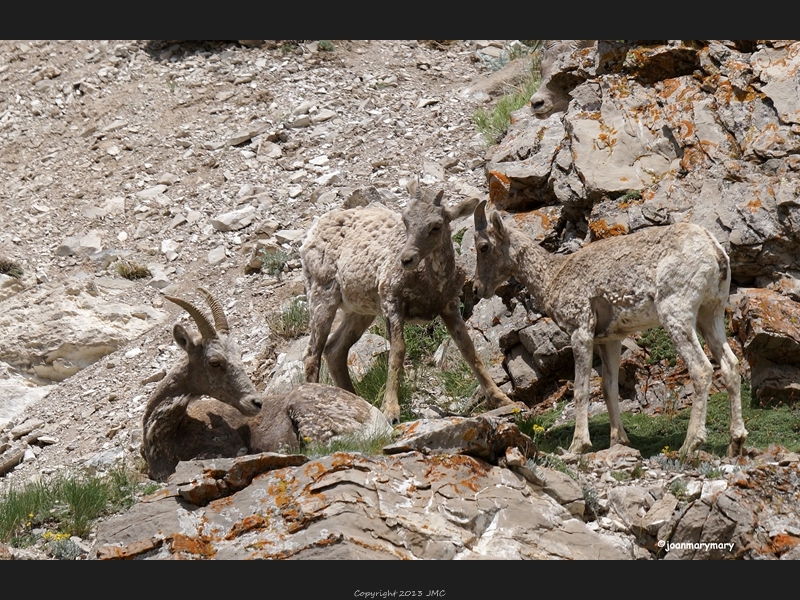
10,268
421,340
678,488
458,237
325,46
592,501
132,270
459,381
493,124
659,346
630,195
553,462
621,475
273,263
709,471
60,546
293,321
365,444
288,47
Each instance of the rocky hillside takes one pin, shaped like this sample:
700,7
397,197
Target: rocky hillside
201,161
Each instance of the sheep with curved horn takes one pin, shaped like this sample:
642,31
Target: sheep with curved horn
179,424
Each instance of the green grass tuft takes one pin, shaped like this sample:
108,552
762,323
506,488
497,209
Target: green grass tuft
370,445
494,123
132,270
293,322
273,263
64,505
10,268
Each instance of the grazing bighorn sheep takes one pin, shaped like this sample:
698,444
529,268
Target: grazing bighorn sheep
677,276
178,425
372,261
553,92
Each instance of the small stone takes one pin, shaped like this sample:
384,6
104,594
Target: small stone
217,255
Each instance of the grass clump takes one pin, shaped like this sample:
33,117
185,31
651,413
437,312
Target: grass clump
325,46
63,506
459,381
132,270
494,123
293,321
10,268
659,346
273,263
371,445
421,340
372,387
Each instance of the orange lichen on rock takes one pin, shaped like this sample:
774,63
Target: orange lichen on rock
192,545
782,543
247,524
499,187
601,230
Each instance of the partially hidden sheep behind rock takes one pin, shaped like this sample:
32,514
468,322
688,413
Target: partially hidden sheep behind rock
372,261
677,276
180,424
552,96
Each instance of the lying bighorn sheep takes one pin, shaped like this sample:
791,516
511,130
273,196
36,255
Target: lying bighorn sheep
178,425
677,276
372,261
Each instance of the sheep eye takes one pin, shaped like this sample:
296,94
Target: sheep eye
483,249
215,362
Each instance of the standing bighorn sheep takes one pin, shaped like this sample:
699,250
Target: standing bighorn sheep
677,276
179,425
372,261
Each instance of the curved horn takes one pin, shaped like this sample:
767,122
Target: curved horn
203,324
220,320
480,216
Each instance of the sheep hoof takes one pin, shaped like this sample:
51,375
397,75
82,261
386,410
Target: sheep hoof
580,447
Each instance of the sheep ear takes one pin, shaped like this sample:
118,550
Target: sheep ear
465,208
183,337
480,216
499,226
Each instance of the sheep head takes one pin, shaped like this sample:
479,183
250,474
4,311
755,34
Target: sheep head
427,224
214,366
492,247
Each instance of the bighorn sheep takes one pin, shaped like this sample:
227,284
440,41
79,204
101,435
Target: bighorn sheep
370,261
553,92
677,276
178,425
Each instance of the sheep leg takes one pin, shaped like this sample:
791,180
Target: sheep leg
610,355
336,351
582,345
458,331
323,311
680,325
712,325
397,356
